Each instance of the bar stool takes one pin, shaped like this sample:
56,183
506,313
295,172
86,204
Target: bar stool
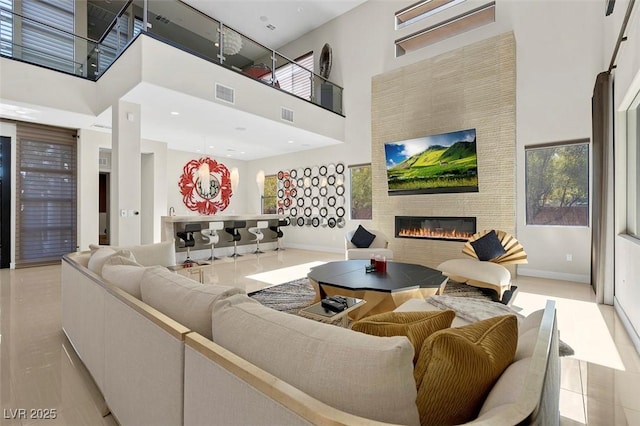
278,231
187,237
211,235
234,231
257,231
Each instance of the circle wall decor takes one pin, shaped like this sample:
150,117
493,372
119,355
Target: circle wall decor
339,168
300,202
293,211
340,212
323,211
293,173
331,222
300,221
315,181
331,180
341,222
340,189
315,222
323,170
323,191
196,196
307,172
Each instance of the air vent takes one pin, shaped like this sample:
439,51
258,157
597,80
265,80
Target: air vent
103,162
101,126
286,114
226,94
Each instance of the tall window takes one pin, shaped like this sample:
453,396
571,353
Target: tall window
6,28
360,191
47,33
296,78
557,184
269,200
46,188
633,168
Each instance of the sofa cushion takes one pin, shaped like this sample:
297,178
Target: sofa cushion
124,273
488,246
416,326
364,375
183,299
362,238
162,253
458,366
100,255
508,388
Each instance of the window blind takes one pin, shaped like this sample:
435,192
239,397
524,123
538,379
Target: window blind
46,186
296,77
43,43
6,28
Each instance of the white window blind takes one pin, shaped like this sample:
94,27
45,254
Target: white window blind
45,44
46,187
6,28
296,77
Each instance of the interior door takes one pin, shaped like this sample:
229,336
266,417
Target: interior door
5,201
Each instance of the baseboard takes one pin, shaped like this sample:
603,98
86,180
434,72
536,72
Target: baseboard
579,278
631,331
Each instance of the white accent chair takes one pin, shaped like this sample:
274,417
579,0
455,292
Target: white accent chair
379,247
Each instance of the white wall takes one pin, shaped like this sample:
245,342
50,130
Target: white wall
559,53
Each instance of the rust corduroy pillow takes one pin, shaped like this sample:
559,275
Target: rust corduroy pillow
458,366
417,326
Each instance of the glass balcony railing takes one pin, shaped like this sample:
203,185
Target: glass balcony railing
175,23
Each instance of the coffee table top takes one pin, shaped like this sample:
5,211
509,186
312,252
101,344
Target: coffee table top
351,274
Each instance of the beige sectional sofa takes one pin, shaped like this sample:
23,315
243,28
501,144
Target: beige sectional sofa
183,353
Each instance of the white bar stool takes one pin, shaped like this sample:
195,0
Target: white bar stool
212,237
257,232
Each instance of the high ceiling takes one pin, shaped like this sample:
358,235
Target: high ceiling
291,18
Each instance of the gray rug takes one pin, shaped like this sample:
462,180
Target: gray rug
294,295
298,294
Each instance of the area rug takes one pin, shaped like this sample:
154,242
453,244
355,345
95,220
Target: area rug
294,295
298,294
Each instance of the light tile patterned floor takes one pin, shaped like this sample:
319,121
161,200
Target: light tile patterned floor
38,368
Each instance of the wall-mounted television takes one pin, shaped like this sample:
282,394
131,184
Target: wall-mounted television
442,163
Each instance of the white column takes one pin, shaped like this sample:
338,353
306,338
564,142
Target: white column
125,174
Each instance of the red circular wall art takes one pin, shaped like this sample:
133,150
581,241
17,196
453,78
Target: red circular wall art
199,196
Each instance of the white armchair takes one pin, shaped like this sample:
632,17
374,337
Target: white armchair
379,246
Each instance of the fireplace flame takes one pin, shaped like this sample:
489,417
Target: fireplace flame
452,234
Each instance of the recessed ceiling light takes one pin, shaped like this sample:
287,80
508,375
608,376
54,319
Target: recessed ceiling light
290,142
175,113
228,155
210,146
241,152
264,18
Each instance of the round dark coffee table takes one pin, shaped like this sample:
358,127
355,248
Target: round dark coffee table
383,291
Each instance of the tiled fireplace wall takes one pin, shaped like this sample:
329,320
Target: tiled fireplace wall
471,87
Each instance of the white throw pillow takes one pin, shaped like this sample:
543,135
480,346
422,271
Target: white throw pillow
102,254
507,389
124,273
162,253
364,375
183,299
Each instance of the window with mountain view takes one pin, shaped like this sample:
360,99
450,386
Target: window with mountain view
557,184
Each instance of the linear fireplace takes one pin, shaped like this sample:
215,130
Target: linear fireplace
435,227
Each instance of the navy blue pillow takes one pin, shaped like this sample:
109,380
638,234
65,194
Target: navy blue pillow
488,246
362,238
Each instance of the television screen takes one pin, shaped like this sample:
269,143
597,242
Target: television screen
433,164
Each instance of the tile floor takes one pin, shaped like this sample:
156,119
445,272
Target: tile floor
39,370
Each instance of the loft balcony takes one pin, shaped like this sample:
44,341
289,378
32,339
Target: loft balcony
170,22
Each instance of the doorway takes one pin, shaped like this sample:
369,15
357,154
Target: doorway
5,202
103,210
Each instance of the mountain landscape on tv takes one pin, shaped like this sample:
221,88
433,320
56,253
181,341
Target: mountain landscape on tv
433,164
